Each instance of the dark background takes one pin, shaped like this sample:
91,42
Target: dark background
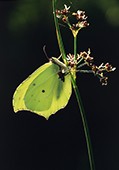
28,141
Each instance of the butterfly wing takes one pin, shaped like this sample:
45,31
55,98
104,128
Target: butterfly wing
43,92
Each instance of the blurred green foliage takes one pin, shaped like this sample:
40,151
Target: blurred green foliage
29,12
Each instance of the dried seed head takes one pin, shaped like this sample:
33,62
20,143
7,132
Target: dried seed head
103,80
109,68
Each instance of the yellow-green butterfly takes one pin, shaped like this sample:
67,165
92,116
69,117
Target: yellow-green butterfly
45,91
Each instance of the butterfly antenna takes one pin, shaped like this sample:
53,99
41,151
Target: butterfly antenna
50,59
44,50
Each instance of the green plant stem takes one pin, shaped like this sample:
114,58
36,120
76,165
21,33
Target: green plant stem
85,125
78,97
82,112
75,47
58,33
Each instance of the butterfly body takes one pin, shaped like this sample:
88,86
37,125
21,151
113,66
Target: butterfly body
45,91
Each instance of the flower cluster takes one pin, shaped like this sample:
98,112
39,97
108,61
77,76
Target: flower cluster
71,61
81,17
101,70
66,15
84,59
75,21
63,12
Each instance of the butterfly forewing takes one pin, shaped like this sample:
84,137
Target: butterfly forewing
18,97
40,93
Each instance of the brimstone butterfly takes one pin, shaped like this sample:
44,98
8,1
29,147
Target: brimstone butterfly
45,91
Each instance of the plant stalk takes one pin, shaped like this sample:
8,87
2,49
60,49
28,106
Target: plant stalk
78,97
85,125
58,33
82,112
75,47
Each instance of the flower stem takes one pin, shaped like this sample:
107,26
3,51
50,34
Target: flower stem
85,125
75,47
78,97
58,33
82,112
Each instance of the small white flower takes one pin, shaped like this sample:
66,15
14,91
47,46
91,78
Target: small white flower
114,68
66,8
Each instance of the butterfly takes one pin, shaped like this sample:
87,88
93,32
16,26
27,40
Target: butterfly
45,91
